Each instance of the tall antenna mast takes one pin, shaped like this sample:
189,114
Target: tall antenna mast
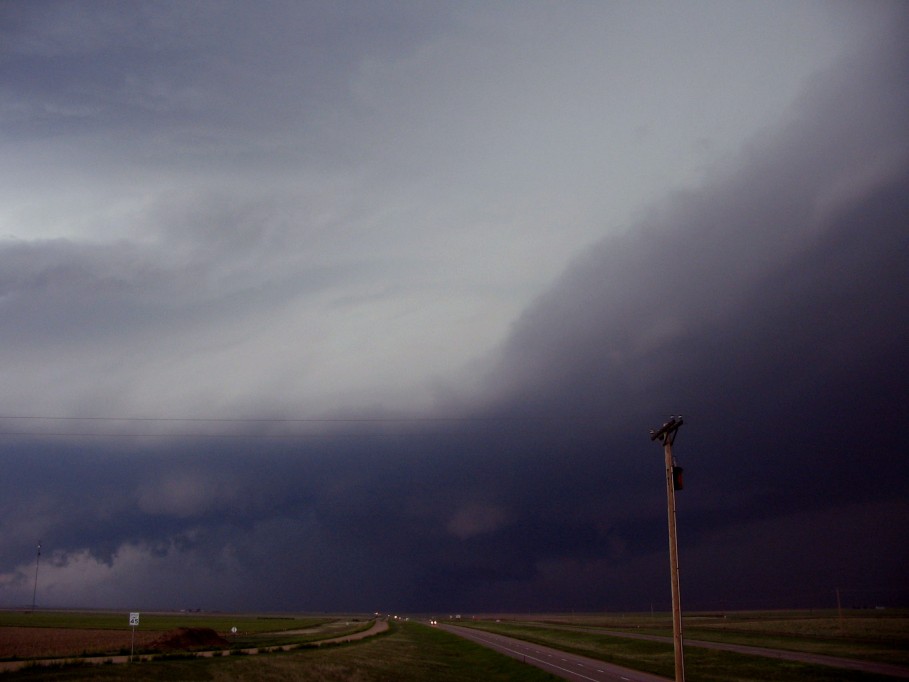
37,561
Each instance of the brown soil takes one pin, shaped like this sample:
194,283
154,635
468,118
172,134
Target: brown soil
62,642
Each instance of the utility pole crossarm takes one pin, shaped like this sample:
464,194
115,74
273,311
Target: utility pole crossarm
666,433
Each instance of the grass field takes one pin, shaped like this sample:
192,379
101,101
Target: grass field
865,635
51,634
409,652
159,622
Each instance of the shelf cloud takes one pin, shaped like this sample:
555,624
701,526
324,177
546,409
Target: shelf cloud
372,307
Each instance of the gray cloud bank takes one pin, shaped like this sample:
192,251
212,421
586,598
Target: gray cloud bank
767,306
314,208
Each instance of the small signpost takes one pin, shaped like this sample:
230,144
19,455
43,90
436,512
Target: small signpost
133,623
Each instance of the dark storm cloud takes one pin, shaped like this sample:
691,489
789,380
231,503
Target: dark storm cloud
367,194
767,306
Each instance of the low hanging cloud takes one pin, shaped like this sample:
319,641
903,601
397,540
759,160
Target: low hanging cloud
186,494
766,305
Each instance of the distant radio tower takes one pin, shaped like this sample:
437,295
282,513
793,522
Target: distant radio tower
37,561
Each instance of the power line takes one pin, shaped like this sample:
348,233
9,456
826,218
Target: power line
103,434
399,421
268,419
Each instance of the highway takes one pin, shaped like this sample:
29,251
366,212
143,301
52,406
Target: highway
557,661
565,665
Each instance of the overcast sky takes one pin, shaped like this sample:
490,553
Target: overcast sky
371,306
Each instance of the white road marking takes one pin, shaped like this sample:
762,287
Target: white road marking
515,651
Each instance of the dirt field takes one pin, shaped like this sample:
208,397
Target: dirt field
62,642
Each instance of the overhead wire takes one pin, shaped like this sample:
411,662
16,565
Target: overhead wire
384,432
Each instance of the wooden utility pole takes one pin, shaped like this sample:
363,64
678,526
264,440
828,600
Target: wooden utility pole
666,435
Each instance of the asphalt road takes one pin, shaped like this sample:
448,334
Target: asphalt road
560,663
518,648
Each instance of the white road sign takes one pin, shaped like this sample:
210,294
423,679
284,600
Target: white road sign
134,618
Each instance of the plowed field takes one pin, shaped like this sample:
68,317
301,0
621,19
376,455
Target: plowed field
63,642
